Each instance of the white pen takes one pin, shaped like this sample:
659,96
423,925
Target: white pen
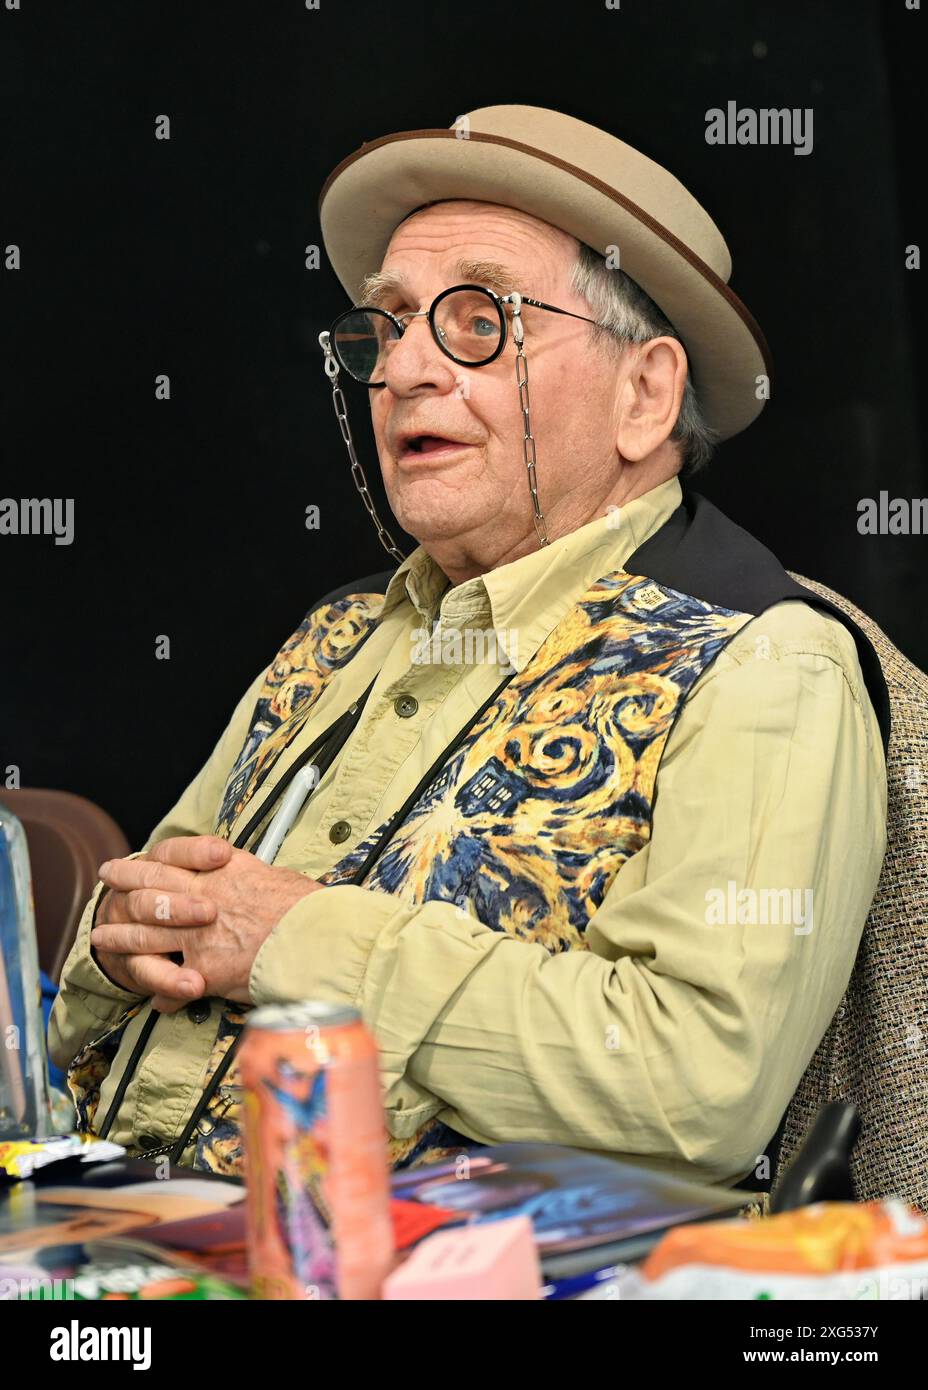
294,799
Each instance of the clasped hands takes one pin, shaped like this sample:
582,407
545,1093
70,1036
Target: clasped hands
196,895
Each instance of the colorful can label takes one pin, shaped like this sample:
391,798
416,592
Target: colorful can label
316,1157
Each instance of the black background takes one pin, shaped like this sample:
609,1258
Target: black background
186,257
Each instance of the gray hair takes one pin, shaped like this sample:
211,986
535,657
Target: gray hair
630,316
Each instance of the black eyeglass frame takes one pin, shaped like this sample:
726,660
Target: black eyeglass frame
499,302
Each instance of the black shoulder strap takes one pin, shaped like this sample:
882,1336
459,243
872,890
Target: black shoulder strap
701,552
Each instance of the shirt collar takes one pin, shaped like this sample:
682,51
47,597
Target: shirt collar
525,599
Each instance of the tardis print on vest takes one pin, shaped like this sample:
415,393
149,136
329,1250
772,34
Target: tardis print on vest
549,794
551,791
325,641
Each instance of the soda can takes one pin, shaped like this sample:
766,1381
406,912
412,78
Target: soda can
316,1159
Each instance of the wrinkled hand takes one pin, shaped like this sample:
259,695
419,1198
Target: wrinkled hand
197,895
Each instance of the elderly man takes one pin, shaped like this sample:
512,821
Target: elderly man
601,793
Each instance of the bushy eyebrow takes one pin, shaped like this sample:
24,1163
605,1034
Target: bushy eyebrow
382,285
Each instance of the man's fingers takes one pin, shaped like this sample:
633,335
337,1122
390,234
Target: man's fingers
153,906
112,907
197,852
169,865
129,874
173,909
139,939
159,977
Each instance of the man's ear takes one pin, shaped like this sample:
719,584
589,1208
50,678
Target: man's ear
651,396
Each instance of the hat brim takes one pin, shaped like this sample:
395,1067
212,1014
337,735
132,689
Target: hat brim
369,193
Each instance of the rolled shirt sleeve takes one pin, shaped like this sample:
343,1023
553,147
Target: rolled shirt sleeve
716,960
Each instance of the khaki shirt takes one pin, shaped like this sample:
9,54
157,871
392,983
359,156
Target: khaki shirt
678,1037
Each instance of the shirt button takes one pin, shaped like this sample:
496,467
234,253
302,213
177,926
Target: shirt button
405,706
199,1011
150,1141
339,832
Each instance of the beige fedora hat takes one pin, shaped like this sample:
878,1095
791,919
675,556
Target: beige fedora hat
590,184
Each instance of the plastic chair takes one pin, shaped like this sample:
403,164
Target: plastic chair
69,837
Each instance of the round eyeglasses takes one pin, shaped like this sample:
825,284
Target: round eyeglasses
470,325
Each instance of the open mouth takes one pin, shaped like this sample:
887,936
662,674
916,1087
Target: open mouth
431,444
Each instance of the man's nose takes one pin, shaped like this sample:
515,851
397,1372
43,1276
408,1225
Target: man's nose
416,360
